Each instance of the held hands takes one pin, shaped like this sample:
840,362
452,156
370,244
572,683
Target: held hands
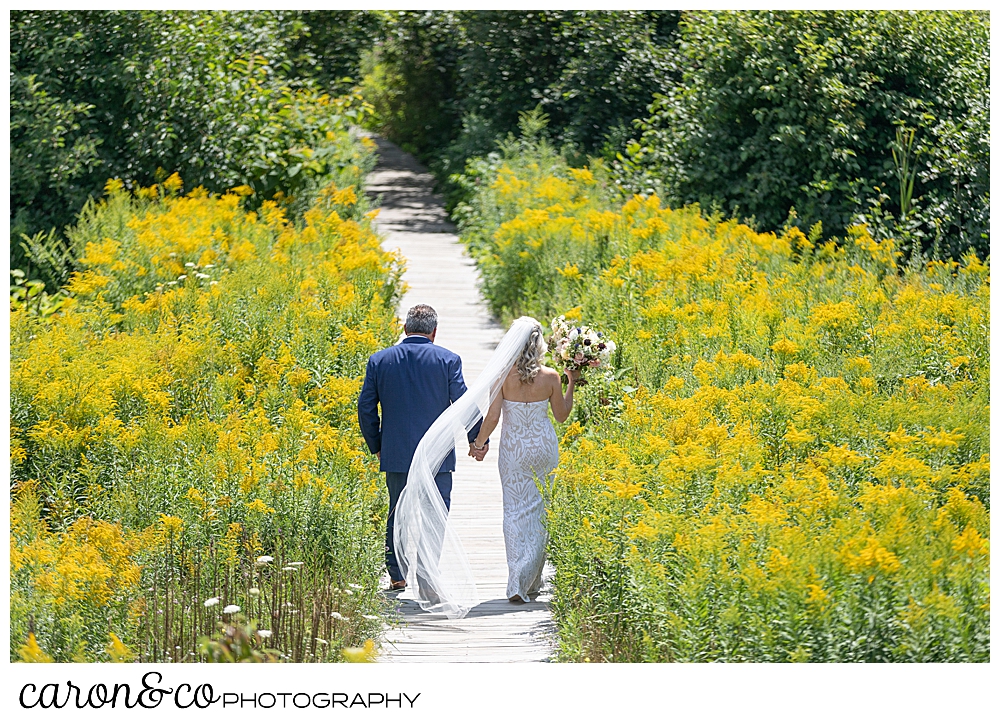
478,454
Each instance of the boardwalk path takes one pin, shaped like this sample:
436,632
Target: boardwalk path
439,273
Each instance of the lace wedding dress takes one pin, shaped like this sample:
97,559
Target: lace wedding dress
529,450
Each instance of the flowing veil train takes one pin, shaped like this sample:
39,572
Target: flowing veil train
429,552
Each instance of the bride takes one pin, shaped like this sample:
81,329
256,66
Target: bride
428,550
529,451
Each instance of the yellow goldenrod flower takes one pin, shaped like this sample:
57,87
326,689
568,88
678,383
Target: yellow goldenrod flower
30,652
365,654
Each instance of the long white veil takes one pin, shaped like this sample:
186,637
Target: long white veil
429,552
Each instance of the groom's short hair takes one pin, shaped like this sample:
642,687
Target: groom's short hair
421,319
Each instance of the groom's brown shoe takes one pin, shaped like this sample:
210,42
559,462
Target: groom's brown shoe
397,585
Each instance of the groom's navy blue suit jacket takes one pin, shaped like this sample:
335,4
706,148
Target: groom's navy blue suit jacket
414,381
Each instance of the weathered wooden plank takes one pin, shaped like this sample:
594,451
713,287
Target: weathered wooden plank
440,273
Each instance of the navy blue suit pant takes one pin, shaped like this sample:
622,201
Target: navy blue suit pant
396,481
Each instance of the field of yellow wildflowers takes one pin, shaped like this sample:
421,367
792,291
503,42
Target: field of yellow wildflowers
184,448
791,459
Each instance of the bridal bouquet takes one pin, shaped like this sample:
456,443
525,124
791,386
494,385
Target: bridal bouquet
579,347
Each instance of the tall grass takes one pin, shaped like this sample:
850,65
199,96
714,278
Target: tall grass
189,410
791,459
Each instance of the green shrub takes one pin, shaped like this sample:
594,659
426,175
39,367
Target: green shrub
223,98
782,110
448,85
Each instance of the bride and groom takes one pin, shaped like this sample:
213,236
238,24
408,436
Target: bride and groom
425,406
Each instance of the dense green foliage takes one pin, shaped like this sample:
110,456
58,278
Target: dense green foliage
790,458
841,116
223,98
447,85
832,117
782,110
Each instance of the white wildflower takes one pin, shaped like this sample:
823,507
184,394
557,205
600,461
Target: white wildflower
211,602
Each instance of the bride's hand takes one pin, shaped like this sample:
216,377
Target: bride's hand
572,374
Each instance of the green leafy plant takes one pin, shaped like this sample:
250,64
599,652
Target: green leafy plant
223,98
448,85
781,110
237,641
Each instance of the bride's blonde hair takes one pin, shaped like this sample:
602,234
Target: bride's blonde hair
529,362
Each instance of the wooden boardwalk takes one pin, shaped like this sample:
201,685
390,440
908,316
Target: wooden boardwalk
440,273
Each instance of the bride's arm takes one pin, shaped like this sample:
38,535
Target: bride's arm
562,404
489,423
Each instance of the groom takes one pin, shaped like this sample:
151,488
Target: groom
414,381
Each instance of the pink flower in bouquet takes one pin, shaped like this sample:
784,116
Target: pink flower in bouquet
578,358
594,362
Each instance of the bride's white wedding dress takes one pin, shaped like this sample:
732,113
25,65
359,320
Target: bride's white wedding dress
429,552
529,450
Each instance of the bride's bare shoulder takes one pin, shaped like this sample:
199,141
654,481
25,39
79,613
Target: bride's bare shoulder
510,382
548,374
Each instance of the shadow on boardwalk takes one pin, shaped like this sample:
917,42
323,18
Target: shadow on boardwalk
493,631
404,190
497,607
